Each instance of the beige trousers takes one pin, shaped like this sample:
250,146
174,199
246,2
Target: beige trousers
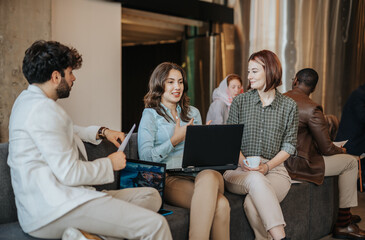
128,213
209,208
345,166
264,194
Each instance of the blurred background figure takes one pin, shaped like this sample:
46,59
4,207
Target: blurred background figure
352,124
222,98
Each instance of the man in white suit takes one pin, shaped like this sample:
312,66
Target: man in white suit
46,155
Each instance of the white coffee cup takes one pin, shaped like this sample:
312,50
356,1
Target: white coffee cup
252,162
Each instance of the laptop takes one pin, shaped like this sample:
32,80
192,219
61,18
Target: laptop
138,173
211,147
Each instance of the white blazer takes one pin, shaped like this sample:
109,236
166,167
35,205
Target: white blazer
47,174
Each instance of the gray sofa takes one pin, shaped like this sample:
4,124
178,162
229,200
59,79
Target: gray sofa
309,210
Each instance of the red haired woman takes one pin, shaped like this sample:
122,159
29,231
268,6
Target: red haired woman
271,124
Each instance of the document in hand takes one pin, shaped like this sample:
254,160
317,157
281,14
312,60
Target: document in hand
340,144
126,139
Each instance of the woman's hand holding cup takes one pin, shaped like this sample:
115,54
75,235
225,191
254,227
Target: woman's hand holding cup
252,163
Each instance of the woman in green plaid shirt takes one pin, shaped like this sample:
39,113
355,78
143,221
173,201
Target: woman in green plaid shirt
271,124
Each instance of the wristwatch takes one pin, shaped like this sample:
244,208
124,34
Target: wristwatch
101,132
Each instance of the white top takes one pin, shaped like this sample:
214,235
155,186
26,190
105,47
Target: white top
47,174
219,108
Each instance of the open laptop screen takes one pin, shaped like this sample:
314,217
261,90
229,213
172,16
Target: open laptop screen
211,147
139,173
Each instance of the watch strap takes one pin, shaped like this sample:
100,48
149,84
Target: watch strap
101,132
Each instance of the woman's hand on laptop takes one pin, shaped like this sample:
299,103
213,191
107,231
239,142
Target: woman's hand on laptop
118,160
179,132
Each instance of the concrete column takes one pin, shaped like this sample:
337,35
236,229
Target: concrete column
21,23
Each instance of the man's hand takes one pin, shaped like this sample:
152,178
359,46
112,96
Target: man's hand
113,136
118,160
344,150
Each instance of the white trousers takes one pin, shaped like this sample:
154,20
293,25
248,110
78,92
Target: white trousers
127,213
264,194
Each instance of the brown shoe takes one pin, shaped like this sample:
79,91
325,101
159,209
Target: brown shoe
352,231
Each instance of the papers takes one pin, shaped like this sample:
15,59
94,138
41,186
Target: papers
340,144
126,139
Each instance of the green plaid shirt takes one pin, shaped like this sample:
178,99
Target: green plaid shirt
269,129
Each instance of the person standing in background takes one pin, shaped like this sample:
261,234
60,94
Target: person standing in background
352,124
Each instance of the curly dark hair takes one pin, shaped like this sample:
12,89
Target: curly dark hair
44,57
157,87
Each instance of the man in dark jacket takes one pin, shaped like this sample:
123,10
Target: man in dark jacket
317,156
352,124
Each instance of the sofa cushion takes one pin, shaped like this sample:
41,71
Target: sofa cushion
239,225
178,222
131,150
324,207
13,231
100,151
7,201
295,207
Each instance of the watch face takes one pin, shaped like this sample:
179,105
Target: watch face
100,132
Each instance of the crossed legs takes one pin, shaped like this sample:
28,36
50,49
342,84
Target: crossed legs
262,203
209,209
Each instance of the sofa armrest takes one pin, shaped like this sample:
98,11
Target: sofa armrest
8,211
131,150
99,151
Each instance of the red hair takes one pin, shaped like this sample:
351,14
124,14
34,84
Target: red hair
233,76
272,67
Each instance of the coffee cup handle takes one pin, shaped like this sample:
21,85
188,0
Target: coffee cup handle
246,162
